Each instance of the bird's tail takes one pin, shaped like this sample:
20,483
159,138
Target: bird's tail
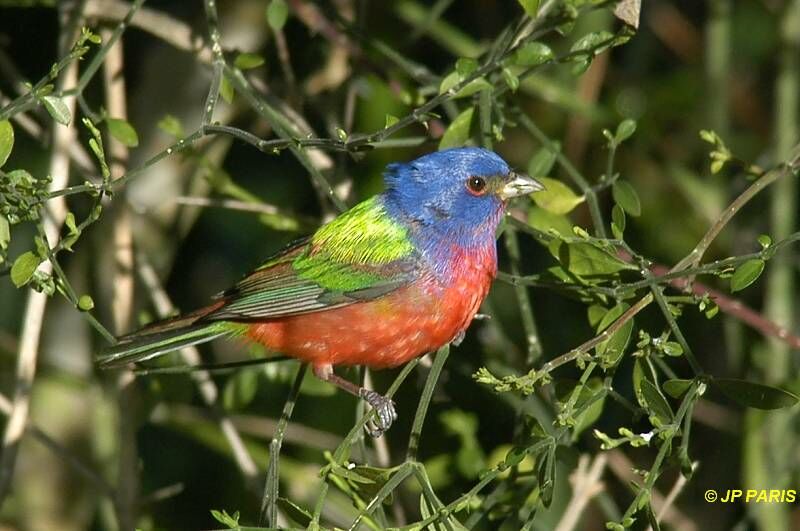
163,337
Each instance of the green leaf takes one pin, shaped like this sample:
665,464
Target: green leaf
755,395
542,162
85,303
511,79
457,133
296,513
74,232
546,221
584,259
677,387
764,241
465,66
454,78
240,389
591,42
5,232
564,390
226,90
277,13
746,274
625,196
57,109
226,519
172,126
246,61
24,267
556,197
123,131
390,120
624,130
612,349
547,476
531,7
515,456
661,413
532,54
618,221
6,141
595,313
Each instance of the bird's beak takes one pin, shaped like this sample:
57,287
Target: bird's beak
520,184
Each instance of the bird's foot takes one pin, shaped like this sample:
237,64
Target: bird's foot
385,413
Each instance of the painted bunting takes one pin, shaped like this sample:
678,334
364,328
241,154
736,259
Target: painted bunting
398,275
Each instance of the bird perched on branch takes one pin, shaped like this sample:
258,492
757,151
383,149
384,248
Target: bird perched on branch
398,275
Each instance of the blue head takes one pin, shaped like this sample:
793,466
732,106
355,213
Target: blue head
456,194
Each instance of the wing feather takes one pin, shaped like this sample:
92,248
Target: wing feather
361,255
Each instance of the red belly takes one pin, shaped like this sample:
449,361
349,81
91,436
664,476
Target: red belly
385,332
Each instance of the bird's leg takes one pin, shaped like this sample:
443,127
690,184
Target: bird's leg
383,406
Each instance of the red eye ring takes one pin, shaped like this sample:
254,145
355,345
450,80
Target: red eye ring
476,185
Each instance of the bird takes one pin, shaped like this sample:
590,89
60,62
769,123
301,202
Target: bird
400,274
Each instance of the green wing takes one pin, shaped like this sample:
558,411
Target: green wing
360,255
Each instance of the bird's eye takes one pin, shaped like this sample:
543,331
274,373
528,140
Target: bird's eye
476,185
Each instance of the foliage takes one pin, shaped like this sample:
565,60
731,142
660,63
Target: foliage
635,389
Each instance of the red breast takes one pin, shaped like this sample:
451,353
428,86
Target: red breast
393,329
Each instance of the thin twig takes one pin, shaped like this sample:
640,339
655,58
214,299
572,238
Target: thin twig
32,321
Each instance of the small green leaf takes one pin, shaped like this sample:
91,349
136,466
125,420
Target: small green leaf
595,313
625,196
453,79
277,13
657,405
624,130
547,476
764,241
246,61
546,221
390,120
226,90
511,79
755,395
593,42
5,232
542,162
296,513
172,126
672,348
24,267
677,387
457,133
465,66
515,456
85,303
618,221
532,54
746,274
612,349
531,7
57,109
232,521
584,259
123,131
557,197
6,141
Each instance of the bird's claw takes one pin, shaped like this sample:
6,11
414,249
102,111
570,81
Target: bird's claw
385,413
